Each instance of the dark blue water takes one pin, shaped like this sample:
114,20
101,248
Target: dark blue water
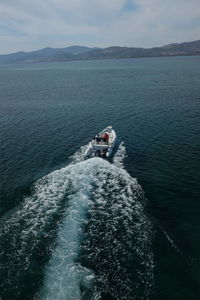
75,229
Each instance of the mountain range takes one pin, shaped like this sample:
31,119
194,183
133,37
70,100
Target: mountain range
85,53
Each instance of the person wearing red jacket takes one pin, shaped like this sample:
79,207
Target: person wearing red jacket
105,137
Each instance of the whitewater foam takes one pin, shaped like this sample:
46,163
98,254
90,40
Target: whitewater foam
101,232
120,155
108,232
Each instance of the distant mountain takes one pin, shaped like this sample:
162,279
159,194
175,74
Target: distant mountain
78,49
84,53
45,54
189,48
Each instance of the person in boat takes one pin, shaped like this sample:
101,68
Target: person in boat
105,137
97,138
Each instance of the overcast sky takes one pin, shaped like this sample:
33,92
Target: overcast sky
32,24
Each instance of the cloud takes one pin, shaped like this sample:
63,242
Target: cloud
27,25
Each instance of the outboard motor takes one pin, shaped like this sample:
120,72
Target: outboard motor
98,153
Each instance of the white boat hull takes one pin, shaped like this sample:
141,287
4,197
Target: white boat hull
102,148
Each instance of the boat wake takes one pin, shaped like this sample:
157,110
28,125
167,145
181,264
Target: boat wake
85,228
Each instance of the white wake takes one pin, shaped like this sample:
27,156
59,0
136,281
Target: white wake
103,237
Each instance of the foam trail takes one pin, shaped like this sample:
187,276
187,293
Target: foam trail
63,274
90,216
24,231
104,231
120,155
170,240
79,155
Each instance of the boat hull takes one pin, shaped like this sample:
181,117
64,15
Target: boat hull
102,148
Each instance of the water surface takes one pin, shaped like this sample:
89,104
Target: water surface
84,228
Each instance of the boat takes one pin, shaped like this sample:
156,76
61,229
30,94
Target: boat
103,144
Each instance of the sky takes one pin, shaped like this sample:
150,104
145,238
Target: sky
27,25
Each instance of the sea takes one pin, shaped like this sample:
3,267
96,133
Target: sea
127,228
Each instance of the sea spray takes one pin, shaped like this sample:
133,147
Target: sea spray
63,270
104,242
87,223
